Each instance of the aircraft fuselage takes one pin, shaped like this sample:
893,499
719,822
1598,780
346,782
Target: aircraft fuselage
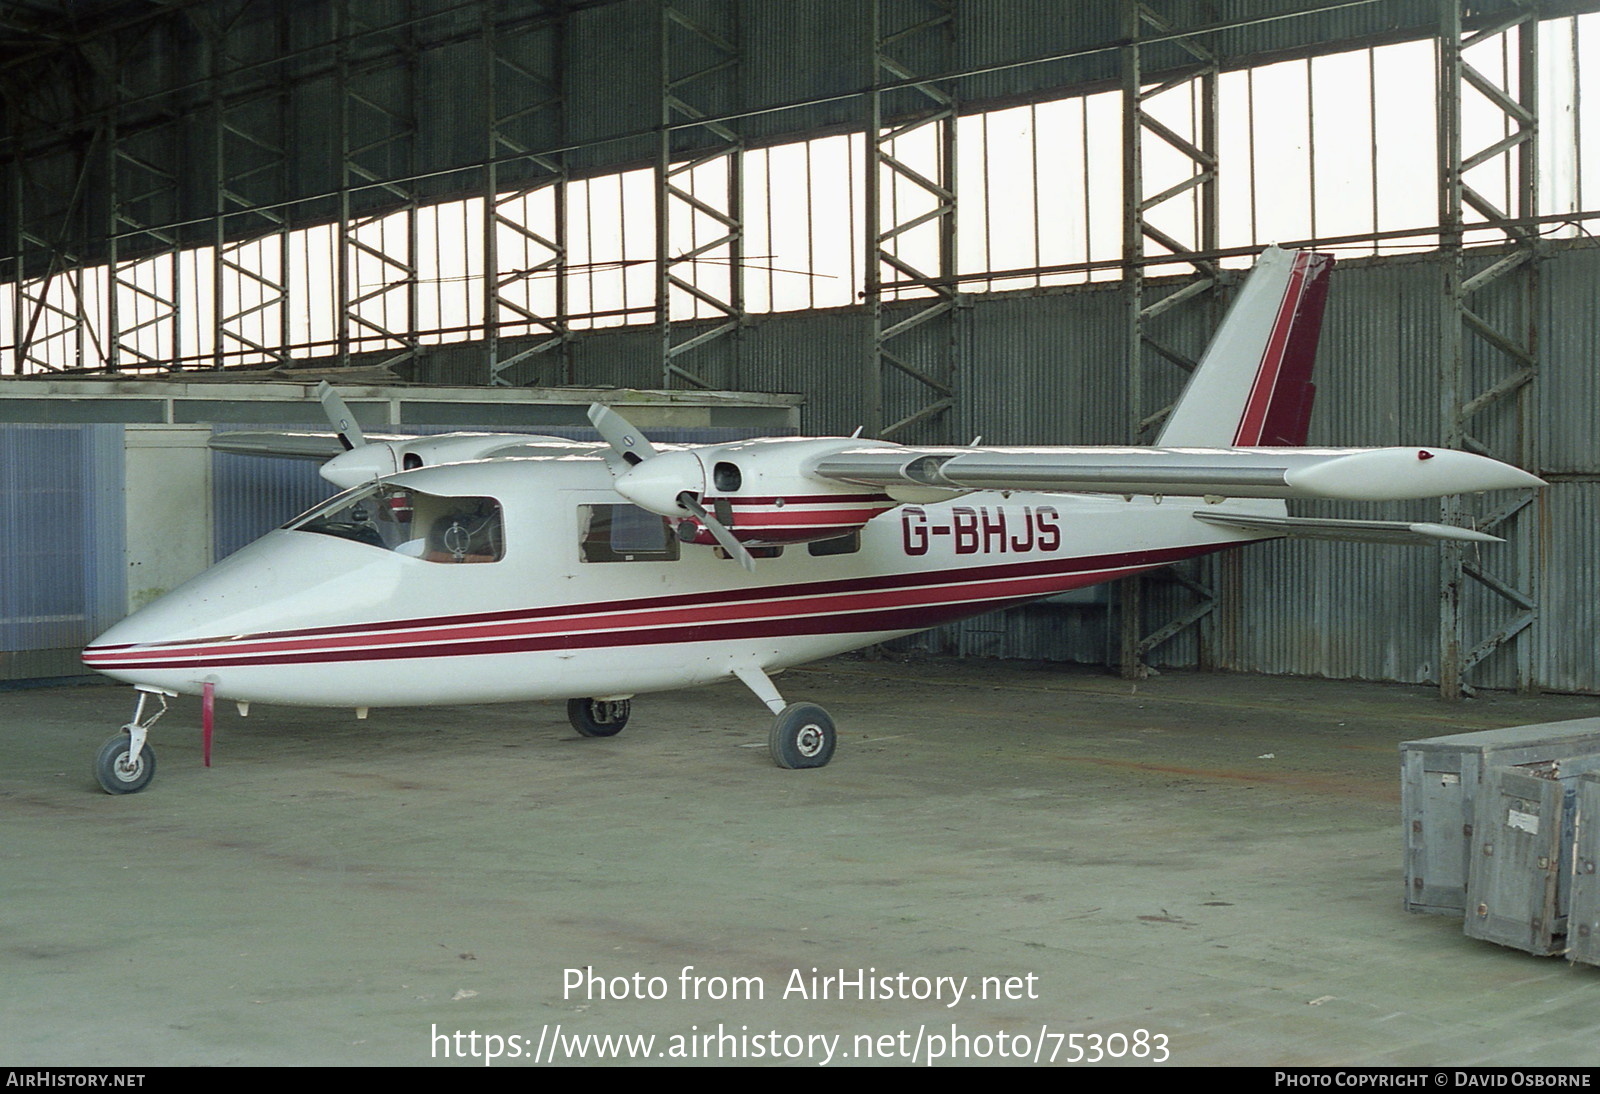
569,603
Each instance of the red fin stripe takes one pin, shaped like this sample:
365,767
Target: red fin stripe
1255,411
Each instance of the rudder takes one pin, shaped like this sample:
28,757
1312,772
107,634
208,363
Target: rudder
1253,384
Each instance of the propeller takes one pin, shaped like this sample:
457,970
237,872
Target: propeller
668,483
718,530
619,433
339,414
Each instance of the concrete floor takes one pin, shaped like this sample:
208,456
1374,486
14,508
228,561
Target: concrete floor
1212,859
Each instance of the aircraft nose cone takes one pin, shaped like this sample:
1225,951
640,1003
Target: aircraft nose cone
286,580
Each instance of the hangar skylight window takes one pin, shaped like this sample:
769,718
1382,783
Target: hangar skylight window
1339,148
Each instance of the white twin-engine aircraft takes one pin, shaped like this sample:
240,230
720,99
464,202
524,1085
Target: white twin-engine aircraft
492,568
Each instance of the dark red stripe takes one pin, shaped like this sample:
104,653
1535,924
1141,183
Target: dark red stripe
581,621
1288,417
929,579
886,618
807,499
915,618
848,517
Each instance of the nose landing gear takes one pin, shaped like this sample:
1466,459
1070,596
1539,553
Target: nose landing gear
126,763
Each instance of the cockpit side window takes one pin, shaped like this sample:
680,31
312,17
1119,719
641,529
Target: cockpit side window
412,523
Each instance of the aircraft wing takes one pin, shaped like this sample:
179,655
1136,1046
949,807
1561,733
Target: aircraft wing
1351,474
1360,531
294,445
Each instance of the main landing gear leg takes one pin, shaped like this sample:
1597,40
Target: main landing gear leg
802,734
127,763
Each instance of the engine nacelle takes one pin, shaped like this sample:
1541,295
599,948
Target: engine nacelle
378,458
763,493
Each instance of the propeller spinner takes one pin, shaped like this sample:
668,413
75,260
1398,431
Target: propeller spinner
668,483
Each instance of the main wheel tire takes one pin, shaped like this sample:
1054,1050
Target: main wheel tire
115,775
598,717
802,736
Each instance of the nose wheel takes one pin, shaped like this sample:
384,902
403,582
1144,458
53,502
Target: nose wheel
119,771
126,763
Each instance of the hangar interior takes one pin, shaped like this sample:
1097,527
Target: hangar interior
932,219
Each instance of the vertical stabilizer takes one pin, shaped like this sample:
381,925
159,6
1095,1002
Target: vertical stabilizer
1253,385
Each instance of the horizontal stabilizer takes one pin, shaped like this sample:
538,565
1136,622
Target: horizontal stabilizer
1348,474
1360,531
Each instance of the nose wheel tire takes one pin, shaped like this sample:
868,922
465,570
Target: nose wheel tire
116,775
802,736
598,717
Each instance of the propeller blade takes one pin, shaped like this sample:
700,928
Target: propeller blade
349,429
620,434
718,530
649,488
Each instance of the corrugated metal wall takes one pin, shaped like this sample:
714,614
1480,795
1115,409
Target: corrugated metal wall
1048,368
1043,368
61,574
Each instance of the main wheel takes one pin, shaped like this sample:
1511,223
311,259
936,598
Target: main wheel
598,717
116,775
802,736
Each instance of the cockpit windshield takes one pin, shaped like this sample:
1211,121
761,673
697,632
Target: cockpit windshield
409,522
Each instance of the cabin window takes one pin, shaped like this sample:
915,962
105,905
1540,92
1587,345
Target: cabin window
409,522
624,533
771,551
840,545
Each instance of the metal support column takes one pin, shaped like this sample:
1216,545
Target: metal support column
142,173
377,248
525,227
699,199
1489,353
910,225
250,236
51,325
1178,116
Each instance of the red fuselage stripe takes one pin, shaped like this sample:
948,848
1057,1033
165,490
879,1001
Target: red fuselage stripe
941,597
876,583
